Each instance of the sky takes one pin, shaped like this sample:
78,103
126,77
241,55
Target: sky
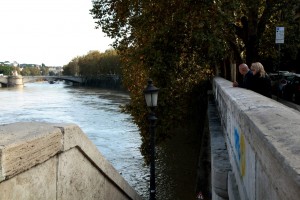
52,32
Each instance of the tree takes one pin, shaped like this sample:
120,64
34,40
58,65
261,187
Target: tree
35,71
26,71
72,68
178,44
44,71
94,64
6,70
160,39
110,62
88,64
255,23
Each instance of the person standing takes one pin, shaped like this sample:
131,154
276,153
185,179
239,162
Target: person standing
261,82
247,77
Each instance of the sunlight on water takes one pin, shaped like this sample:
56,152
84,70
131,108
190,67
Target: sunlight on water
95,111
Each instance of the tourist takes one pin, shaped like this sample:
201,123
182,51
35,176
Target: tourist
261,82
247,77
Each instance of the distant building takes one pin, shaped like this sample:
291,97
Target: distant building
29,65
6,63
55,69
9,64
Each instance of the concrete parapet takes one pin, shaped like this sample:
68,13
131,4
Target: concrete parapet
263,142
233,193
220,165
55,161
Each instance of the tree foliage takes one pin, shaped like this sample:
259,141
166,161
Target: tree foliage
26,71
254,27
94,64
44,70
72,68
33,71
6,70
178,43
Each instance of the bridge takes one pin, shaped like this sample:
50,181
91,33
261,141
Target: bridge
255,145
20,80
73,79
3,79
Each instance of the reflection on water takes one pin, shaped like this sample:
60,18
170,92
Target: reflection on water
95,111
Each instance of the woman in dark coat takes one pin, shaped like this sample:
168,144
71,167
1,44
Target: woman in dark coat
261,82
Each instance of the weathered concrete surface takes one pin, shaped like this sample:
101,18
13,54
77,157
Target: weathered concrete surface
220,165
25,145
35,184
263,142
233,193
73,137
55,161
76,172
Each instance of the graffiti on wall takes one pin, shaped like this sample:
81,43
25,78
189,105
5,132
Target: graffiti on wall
240,150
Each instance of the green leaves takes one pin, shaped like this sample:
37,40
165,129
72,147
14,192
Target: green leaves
6,70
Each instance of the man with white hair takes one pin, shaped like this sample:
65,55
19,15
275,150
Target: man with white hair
247,77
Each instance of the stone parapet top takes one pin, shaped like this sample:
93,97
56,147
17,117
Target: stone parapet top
24,145
271,126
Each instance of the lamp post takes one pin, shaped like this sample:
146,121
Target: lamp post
151,95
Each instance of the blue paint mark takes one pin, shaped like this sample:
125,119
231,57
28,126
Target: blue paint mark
237,143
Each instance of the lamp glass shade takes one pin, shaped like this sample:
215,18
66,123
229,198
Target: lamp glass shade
151,99
151,94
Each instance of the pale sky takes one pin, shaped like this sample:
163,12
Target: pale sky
52,32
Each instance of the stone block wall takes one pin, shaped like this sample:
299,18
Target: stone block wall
263,142
55,161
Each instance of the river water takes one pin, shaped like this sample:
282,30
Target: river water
95,111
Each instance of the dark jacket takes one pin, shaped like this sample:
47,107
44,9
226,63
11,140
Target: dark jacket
262,85
247,80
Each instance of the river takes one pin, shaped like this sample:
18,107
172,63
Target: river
95,111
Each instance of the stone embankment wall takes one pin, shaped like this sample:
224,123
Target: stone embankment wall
255,147
55,161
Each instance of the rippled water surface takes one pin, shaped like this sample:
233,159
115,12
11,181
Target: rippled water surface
95,111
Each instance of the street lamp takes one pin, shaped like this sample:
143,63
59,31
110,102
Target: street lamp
151,95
